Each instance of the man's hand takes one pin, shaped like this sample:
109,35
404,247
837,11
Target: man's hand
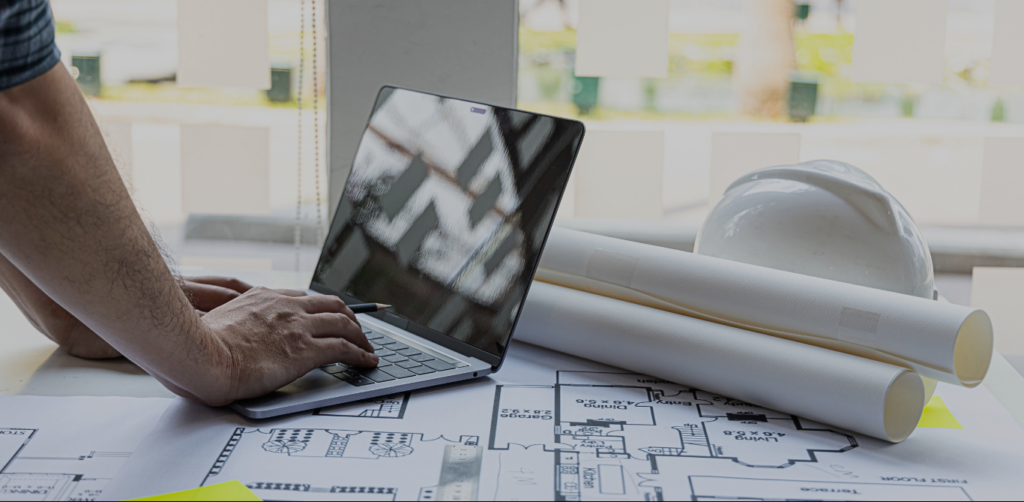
268,338
209,292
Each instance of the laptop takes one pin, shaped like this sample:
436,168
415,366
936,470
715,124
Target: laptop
444,216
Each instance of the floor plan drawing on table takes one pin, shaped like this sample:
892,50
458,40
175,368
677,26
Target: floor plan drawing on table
553,427
617,434
51,454
273,458
26,477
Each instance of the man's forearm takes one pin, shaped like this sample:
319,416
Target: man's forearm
68,223
50,318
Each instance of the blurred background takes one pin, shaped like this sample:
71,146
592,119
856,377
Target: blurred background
763,68
125,56
923,142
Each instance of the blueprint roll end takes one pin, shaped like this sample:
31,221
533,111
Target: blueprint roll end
972,353
904,403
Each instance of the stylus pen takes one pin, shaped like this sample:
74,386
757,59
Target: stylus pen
365,308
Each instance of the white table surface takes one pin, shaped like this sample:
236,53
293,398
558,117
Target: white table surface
30,364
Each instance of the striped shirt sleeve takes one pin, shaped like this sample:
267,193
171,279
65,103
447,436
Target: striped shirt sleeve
27,47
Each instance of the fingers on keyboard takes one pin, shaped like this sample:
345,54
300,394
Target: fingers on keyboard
397,361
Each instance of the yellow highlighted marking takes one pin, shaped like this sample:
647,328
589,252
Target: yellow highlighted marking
232,490
937,416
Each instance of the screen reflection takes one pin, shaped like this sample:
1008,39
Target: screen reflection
446,210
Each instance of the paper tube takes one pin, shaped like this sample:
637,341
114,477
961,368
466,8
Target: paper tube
862,395
945,342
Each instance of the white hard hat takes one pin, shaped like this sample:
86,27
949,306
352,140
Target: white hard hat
821,218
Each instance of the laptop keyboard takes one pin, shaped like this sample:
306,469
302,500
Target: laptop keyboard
397,361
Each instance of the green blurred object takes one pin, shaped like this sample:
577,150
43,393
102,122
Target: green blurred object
907,106
584,94
88,77
999,111
803,98
651,96
550,82
280,84
803,11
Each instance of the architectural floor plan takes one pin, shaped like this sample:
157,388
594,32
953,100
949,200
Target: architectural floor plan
68,448
615,434
398,461
552,427
26,477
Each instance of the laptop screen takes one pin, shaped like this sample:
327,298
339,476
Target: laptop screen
446,211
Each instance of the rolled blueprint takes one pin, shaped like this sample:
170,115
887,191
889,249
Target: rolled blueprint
945,342
862,395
